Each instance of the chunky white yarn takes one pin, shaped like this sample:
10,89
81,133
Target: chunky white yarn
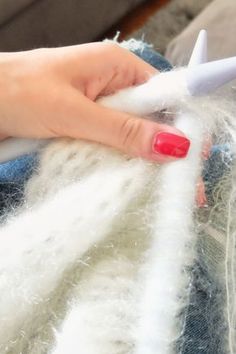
151,96
172,248
83,194
56,233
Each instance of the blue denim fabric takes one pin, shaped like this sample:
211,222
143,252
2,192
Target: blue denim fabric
205,326
13,175
201,322
205,330
153,58
217,165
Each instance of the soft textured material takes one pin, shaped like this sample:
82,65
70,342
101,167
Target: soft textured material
99,258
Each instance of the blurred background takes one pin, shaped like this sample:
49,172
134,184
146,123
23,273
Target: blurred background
26,24
170,26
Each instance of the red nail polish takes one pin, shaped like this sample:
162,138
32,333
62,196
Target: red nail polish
171,144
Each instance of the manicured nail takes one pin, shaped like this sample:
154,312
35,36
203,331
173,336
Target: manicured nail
171,144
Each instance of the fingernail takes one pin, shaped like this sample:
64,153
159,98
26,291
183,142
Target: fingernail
171,144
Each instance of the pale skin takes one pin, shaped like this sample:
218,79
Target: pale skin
48,93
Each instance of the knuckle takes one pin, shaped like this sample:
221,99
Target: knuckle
130,132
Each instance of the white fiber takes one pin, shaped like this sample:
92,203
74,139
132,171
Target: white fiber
172,249
151,96
39,245
101,319
97,260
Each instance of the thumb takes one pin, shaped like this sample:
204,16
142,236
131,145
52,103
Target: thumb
132,135
144,138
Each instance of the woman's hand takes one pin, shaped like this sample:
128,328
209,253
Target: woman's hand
52,92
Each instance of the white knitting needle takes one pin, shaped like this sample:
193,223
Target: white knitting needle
199,53
164,89
208,77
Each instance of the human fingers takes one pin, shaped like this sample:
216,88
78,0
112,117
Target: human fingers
99,69
201,197
132,135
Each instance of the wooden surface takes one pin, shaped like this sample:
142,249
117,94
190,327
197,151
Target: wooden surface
135,19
